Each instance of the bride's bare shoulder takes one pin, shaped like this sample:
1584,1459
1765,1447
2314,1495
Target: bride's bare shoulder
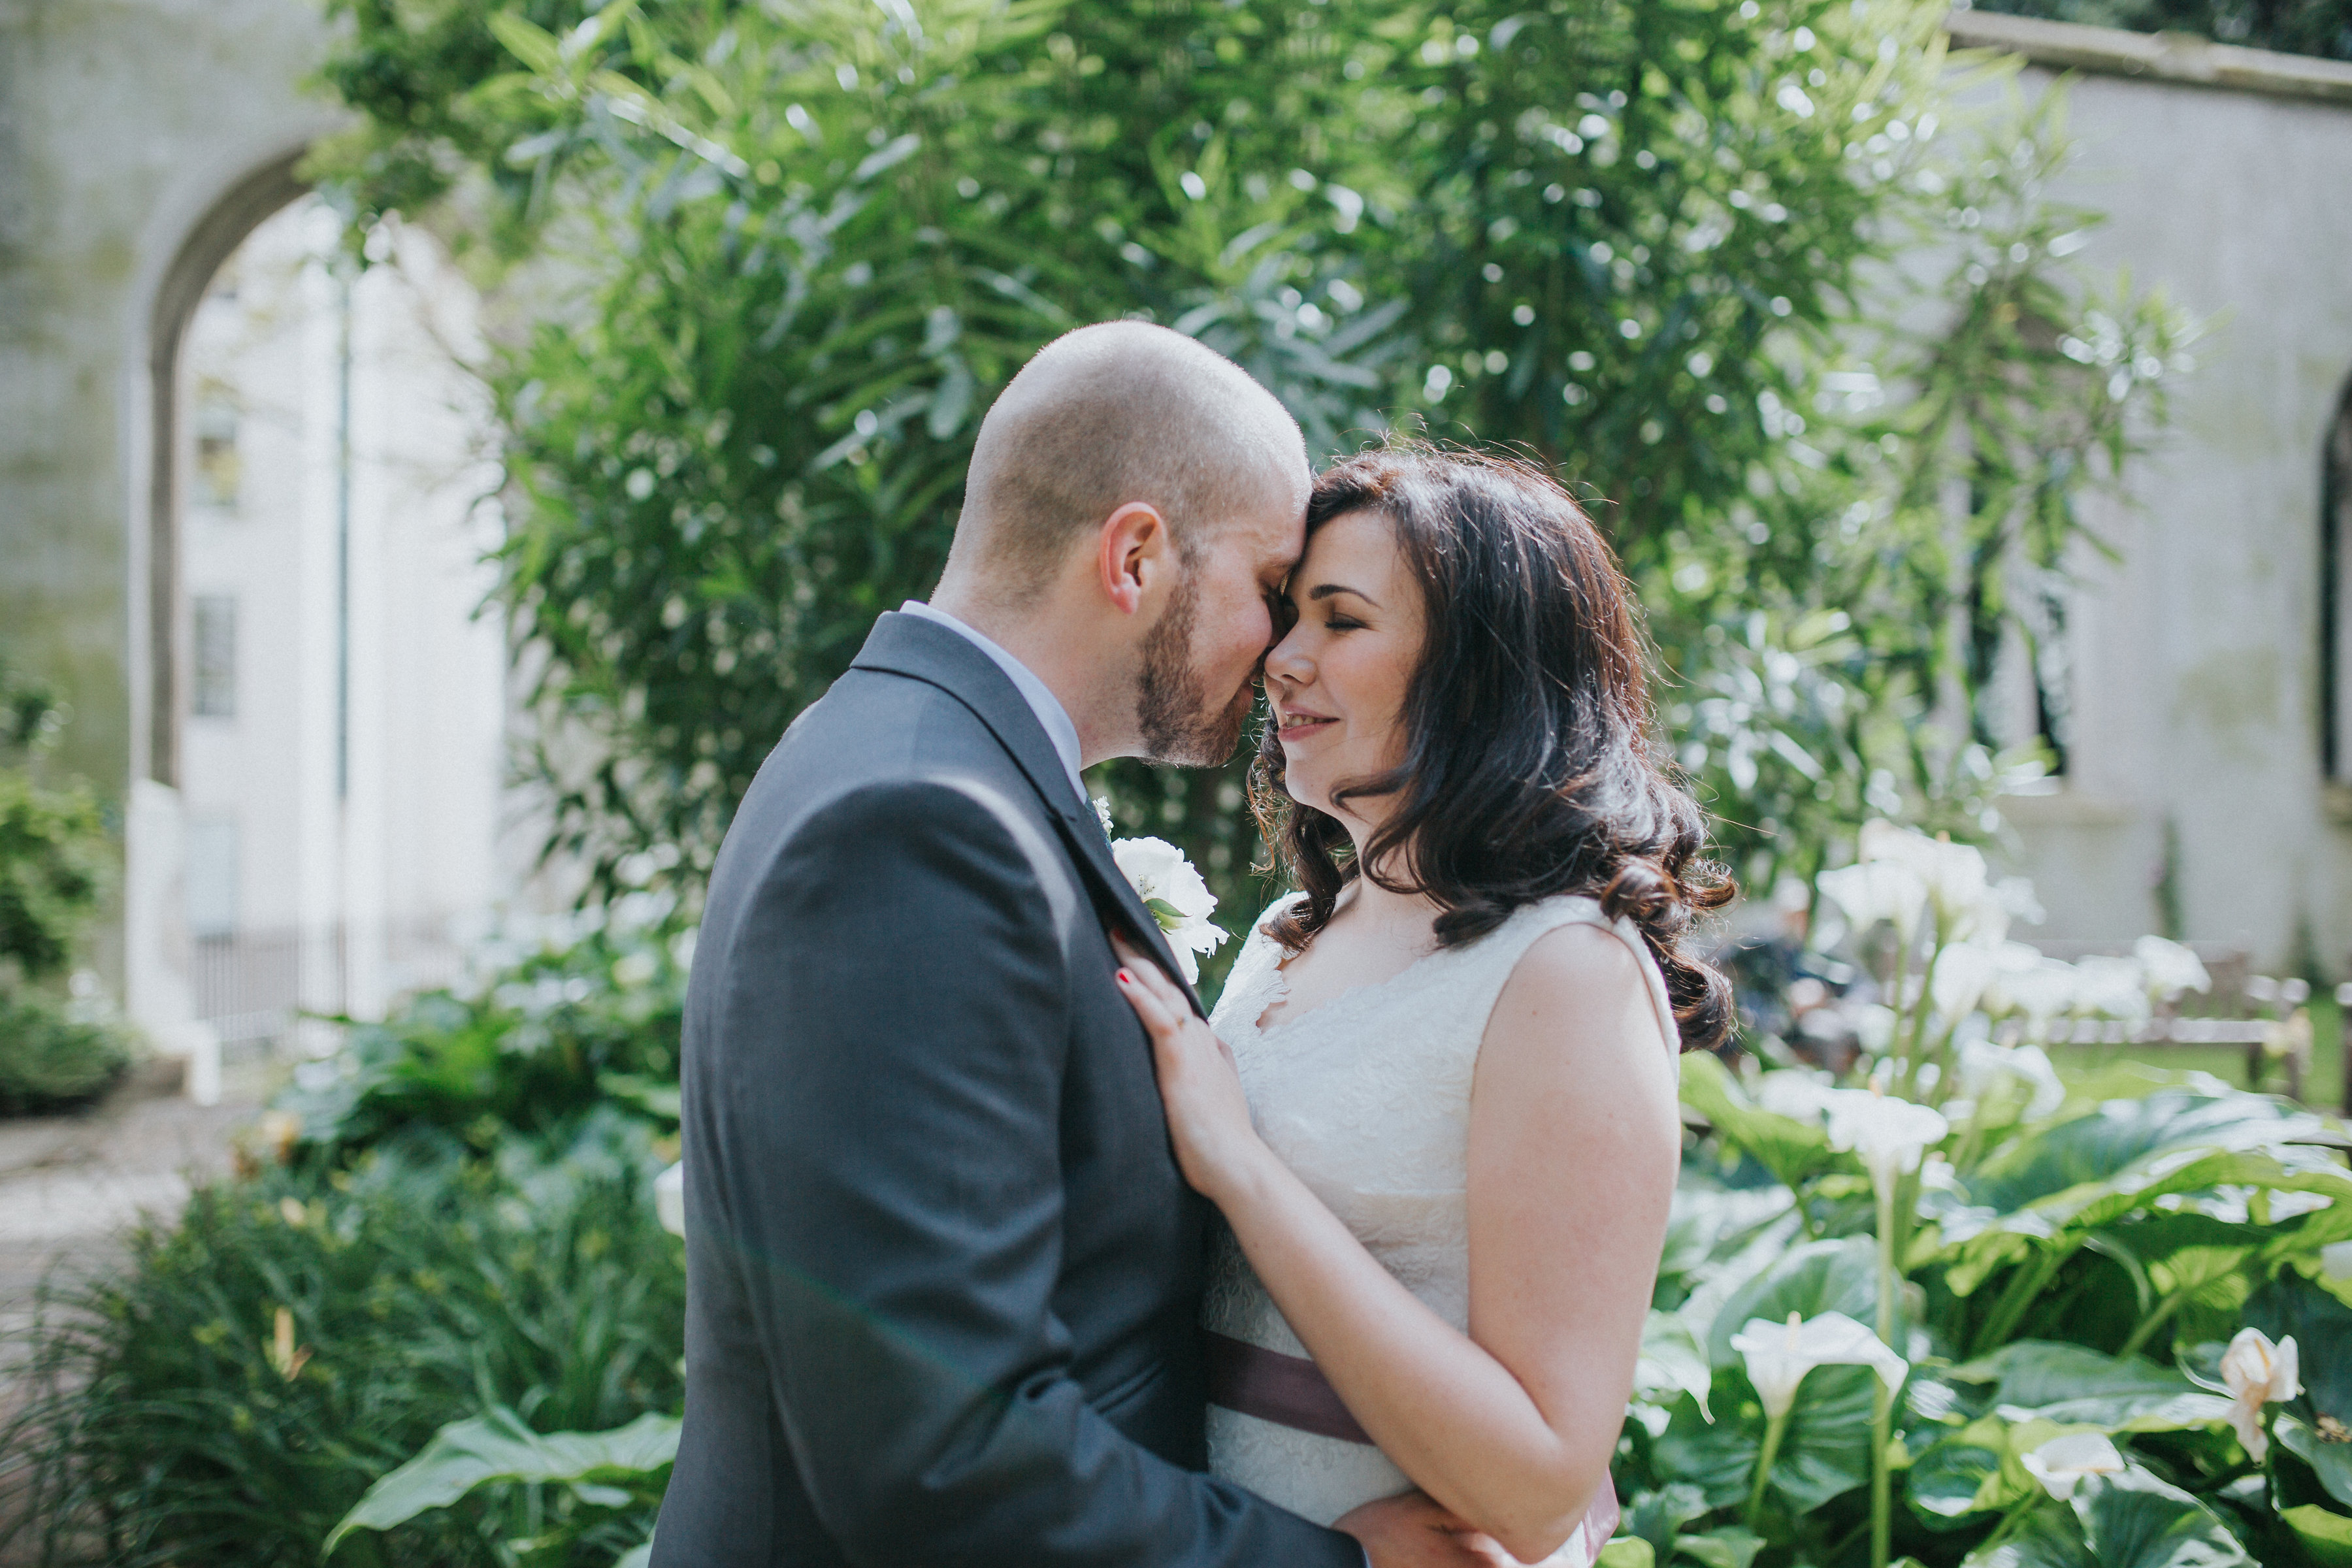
1581,985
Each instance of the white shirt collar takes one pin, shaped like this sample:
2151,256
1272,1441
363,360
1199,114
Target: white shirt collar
1051,715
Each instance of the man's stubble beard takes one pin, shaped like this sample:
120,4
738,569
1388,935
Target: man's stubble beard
1173,706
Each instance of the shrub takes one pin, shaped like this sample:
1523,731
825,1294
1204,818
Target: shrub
802,247
586,1012
232,1391
54,1056
2321,27
54,857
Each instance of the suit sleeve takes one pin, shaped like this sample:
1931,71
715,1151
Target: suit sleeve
890,1144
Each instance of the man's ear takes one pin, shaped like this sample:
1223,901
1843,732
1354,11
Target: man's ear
1130,554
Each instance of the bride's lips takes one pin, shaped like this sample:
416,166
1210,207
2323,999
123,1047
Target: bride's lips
1298,726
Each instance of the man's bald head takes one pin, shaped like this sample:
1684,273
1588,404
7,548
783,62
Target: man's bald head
1105,415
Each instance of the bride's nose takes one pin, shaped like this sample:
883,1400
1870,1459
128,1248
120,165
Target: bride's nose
1286,663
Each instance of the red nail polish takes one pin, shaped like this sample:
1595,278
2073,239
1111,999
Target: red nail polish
1125,978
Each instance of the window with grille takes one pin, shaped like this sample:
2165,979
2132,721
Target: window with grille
218,471
216,661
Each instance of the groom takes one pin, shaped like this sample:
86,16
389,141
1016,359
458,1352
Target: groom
943,1274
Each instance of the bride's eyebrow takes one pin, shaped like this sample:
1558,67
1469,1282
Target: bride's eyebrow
1324,590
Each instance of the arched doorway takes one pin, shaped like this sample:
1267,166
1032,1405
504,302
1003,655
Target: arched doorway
2335,600
325,746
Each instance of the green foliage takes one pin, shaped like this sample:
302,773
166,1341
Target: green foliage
54,860
587,1014
2141,1203
2321,27
174,1420
52,844
625,1466
54,1054
479,1361
792,254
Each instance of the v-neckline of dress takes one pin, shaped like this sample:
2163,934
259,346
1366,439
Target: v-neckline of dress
1278,994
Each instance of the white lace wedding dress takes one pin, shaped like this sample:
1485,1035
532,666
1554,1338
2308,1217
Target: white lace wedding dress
1368,1097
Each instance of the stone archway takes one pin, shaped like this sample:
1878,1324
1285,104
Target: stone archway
214,238
316,814
2336,602
158,955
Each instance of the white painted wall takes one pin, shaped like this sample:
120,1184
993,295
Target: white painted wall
389,850
2198,657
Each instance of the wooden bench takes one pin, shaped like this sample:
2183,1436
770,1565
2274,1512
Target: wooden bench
2262,1012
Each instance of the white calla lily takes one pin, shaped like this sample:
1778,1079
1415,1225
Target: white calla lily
1890,1134
2257,1372
1955,875
1799,1094
1778,1356
1983,1064
2038,992
2064,1463
1963,972
2108,987
2169,968
1872,891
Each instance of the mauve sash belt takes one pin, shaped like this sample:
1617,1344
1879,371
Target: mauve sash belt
1291,1391
1288,1390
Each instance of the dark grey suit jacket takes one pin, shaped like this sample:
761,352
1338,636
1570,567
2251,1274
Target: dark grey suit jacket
942,1273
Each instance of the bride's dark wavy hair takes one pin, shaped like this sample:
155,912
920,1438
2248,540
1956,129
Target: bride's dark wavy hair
1531,767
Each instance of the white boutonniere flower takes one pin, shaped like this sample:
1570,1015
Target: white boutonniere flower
1173,891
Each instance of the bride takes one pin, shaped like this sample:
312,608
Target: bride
1441,1121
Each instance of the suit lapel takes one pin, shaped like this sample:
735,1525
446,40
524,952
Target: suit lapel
926,651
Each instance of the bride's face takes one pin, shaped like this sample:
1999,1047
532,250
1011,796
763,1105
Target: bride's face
1337,680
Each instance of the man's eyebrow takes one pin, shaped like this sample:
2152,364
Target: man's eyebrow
1324,590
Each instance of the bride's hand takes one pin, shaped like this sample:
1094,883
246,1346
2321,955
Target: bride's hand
1208,1117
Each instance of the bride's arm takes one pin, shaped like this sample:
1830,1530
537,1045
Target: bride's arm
1574,1140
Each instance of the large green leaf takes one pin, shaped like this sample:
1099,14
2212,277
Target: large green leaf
2074,1385
2330,1461
2327,1537
1819,1277
1826,1450
1729,1548
2049,1537
1824,1453
1710,1225
2322,1329
2135,1521
2120,1135
1626,1551
2073,1213
1672,1360
1789,1149
1658,1517
1967,1474
499,1447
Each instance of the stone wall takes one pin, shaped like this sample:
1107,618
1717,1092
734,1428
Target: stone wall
124,126
140,140
2196,755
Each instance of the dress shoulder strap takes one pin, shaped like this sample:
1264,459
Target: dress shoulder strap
1249,983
